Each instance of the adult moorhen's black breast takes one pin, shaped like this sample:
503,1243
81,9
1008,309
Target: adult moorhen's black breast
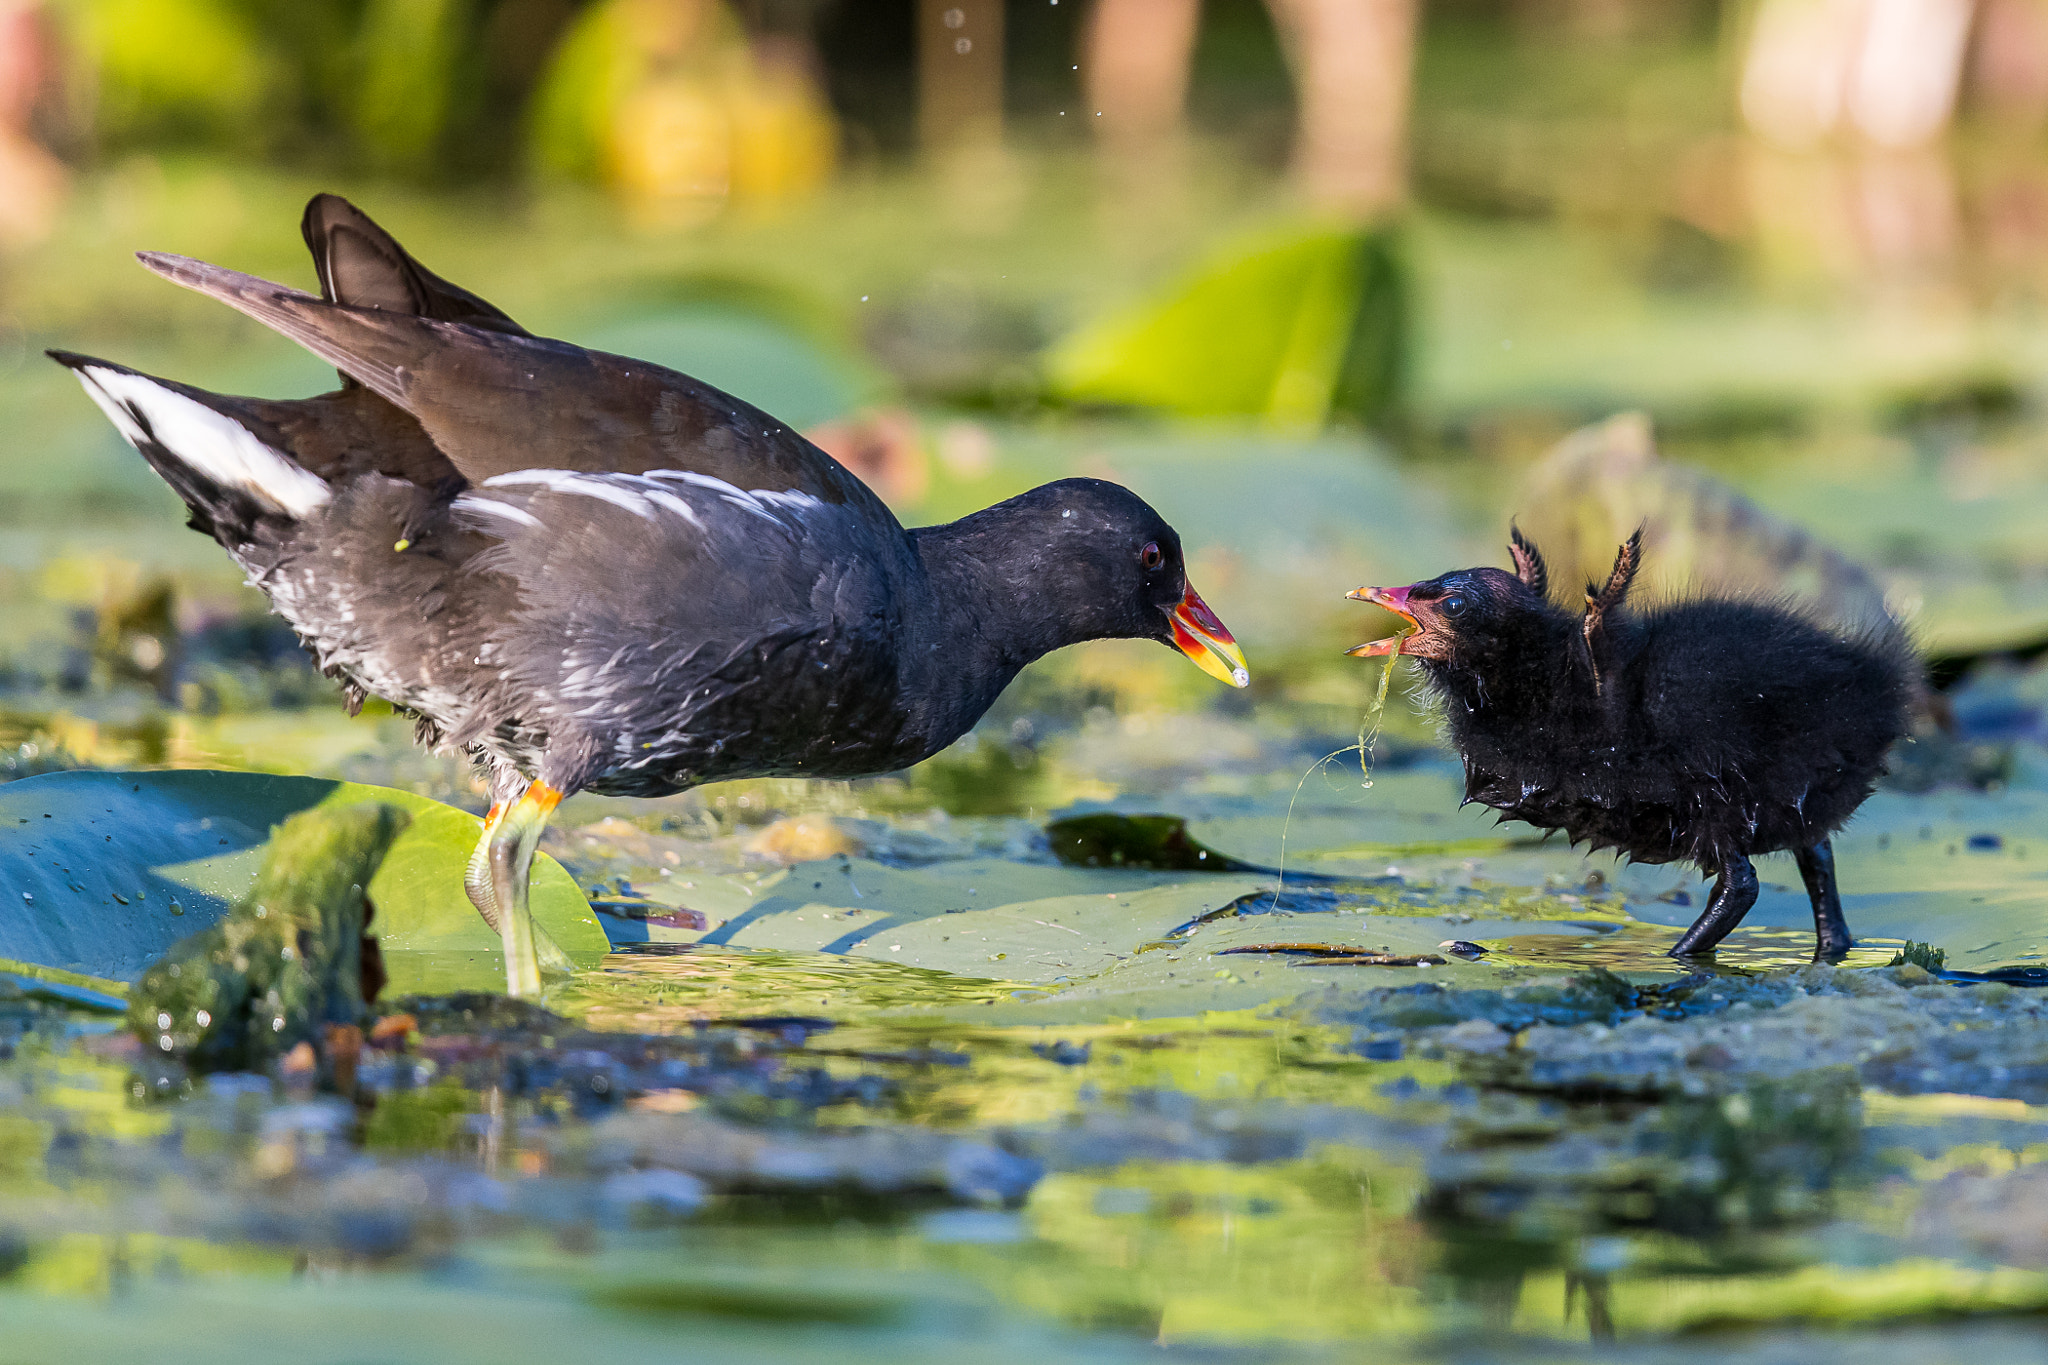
593,573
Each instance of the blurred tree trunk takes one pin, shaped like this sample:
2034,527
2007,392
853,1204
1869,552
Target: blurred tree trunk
1352,66
959,73
2009,63
1135,71
1887,70
32,181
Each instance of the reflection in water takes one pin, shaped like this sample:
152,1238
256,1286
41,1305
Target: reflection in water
656,987
1639,947
1223,1179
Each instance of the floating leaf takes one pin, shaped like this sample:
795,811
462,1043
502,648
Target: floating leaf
1600,483
179,848
1158,842
1290,329
1961,596
753,346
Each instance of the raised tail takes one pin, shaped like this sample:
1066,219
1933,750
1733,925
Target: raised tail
372,346
230,477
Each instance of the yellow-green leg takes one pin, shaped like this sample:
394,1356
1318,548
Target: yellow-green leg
496,880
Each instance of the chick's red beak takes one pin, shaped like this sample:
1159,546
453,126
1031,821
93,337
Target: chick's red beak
1199,635
1394,600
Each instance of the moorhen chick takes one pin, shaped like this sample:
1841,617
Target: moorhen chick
591,573
1707,731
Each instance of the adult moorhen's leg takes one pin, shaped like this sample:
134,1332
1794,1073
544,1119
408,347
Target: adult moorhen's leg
496,880
1831,938
1733,894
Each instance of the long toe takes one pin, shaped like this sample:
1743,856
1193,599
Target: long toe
476,883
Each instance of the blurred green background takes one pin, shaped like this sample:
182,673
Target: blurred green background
1324,279
1339,286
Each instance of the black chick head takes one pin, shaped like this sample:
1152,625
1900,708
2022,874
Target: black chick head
1706,731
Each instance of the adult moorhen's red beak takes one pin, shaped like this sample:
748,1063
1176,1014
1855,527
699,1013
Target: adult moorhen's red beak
1394,600
1202,637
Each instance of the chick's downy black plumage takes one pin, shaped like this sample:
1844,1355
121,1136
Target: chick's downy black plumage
591,573
1708,730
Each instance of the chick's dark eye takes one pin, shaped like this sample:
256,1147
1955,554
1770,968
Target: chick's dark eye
1452,605
1152,556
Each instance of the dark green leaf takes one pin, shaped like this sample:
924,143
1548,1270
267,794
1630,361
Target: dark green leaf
101,872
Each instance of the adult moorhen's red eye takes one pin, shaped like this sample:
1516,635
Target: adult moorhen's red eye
1152,556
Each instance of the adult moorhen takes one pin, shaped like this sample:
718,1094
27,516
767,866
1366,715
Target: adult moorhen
591,573
1706,731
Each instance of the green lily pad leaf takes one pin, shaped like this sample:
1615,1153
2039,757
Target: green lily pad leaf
791,373
1290,329
1964,577
1159,842
101,872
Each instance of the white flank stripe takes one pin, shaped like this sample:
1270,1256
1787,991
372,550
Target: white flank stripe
760,501
616,489
697,480
519,476
219,447
596,486
470,502
663,498
640,494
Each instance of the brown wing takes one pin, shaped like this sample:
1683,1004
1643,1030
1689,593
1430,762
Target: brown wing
495,402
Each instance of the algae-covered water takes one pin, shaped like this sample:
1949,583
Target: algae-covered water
906,1070
873,1079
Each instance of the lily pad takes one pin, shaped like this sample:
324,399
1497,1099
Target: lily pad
1292,329
101,872
1160,842
748,353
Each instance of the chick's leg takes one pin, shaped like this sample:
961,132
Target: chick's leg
1831,938
1733,894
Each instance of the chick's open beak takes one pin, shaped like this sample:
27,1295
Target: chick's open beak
1394,600
1201,637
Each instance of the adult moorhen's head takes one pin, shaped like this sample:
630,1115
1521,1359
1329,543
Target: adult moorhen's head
1085,559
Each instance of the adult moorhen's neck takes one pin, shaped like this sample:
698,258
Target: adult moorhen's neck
984,604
